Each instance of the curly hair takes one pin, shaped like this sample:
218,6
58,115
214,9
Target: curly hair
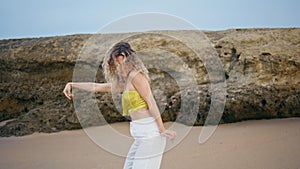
131,61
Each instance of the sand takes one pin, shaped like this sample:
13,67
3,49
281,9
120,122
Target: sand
258,144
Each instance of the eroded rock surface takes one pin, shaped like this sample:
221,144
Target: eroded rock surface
261,67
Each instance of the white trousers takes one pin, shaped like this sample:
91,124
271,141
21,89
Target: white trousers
147,149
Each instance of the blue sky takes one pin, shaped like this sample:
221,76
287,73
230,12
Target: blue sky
39,18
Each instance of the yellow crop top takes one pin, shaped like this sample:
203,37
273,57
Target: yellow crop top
132,101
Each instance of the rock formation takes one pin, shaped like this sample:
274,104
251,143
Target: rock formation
261,67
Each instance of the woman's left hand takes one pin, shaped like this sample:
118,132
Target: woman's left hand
67,91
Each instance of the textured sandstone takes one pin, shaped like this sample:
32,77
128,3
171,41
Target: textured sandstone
262,70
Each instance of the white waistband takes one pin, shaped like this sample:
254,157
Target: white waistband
144,120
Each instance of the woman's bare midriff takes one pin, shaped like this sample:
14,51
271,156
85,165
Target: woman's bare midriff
140,114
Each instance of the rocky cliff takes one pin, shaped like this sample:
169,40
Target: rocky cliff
261,66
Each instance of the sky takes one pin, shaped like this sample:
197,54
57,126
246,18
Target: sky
41,18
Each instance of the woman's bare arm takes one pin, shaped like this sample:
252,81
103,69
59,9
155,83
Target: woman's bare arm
143,87
87,86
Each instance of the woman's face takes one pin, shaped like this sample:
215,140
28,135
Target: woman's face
120,59
121,68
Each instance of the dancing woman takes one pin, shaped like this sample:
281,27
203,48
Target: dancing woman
126,73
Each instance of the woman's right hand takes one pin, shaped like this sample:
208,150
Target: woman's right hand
170,134
67,91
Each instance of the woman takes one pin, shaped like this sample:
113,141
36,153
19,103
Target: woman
126,73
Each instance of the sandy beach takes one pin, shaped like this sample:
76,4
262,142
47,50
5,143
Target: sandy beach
258,144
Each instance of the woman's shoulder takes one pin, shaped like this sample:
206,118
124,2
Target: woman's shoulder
134,73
